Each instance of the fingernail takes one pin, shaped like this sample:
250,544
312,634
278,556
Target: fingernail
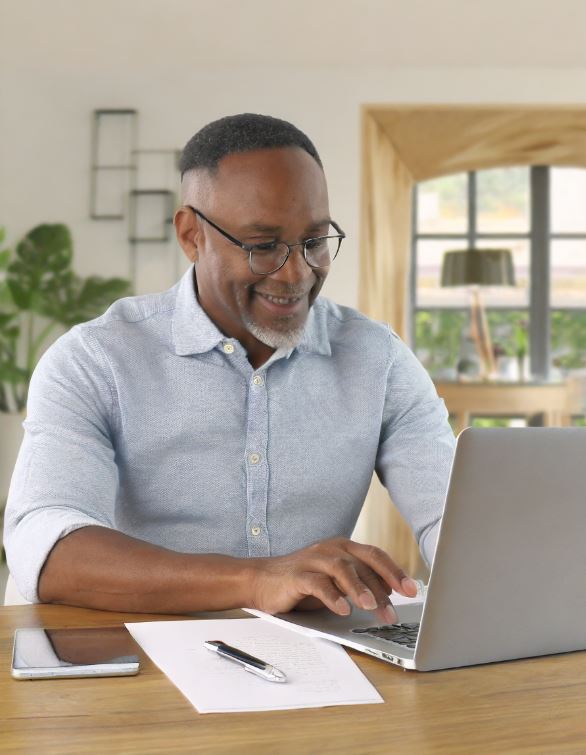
368,601
409,585
342,606
390,614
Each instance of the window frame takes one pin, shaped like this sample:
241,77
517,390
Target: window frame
539,237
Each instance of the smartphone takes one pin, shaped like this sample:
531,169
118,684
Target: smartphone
64,653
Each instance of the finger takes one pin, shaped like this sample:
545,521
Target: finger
347,578
323,588
381,563
387,614
384,610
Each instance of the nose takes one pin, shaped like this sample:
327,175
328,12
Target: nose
295,270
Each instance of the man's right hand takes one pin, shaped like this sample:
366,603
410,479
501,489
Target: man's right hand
335,572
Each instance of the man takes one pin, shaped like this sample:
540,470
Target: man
211,447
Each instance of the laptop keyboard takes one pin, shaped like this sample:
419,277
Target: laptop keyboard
402,634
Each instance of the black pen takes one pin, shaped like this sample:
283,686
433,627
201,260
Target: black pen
248,662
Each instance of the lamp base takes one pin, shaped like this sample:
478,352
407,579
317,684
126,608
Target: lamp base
480,334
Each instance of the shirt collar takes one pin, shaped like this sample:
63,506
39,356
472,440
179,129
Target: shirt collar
192,330
194,333
316,338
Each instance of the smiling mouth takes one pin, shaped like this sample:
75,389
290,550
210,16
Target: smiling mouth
283,300
282,306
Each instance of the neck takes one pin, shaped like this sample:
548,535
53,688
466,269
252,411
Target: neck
258,354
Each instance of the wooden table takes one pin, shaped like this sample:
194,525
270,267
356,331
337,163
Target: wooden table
556,401
529,706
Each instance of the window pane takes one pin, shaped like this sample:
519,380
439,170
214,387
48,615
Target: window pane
503,200
499,422
568,200
429,267
568,273
442,205
509,332
509,296
437,340
568,340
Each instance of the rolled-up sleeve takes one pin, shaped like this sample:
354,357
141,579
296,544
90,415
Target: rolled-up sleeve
416,447
65,475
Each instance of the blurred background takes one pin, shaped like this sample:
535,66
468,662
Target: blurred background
182,63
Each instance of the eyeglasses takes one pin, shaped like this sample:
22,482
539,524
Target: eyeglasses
267,258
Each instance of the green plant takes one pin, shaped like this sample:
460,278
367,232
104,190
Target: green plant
568,339
521,340
39,292
437,336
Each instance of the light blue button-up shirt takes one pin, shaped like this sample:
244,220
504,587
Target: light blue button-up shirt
150,421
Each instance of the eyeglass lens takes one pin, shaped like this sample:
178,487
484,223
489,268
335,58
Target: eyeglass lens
266,258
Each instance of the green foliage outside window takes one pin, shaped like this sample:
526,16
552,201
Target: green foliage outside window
568,339
438,335
437,338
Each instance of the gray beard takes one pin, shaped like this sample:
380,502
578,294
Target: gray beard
276,339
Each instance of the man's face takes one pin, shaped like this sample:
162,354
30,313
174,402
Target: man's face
257,197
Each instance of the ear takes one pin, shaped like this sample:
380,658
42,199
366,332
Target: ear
188,232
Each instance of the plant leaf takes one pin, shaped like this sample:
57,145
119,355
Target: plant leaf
10,373
20,295
6,317
49,245
39,279
89,298
43,254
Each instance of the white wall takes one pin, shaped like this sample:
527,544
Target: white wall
56,66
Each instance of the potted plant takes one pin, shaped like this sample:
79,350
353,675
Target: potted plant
40,296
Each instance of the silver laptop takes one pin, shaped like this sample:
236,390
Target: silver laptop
509,575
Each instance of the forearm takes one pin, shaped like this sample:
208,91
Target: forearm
100,568
96,567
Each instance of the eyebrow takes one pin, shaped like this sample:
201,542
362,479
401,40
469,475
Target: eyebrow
275,229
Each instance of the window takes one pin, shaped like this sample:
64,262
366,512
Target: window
568,268
539,214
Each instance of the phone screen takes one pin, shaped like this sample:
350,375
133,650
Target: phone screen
89,651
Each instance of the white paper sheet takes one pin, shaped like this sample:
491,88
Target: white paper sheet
319,673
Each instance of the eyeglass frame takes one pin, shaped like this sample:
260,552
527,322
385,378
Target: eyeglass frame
249,248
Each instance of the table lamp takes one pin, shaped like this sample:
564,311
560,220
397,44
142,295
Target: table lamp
474,268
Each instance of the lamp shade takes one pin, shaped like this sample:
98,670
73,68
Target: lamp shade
478,267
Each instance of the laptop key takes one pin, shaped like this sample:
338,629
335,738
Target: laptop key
401,634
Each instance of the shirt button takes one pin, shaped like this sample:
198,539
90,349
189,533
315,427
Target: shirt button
257,380
255,531
228,348
254,458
